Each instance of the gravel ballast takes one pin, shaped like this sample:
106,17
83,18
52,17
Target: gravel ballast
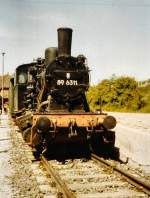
22,179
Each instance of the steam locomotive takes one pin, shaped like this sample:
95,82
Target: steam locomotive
48,100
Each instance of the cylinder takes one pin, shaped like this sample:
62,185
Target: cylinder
64,41
50,54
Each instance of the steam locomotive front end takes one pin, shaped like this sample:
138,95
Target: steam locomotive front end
65,127
67,77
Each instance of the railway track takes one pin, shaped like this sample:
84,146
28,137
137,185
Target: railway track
95,178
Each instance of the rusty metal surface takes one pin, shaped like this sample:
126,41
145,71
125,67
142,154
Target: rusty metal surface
82,120
24,120
63,188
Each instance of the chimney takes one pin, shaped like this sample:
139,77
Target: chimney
64,41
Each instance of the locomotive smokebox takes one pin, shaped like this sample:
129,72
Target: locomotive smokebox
64,41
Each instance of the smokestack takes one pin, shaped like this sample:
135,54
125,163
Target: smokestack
64,41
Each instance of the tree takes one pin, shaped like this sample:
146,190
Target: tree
120,93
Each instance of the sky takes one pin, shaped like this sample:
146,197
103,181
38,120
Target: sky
114,35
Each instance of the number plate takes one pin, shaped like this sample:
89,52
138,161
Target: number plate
67,82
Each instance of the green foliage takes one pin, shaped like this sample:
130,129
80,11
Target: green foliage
119,94
145,93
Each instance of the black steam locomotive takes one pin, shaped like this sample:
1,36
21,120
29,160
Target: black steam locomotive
50,106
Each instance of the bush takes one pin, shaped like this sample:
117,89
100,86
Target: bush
119,94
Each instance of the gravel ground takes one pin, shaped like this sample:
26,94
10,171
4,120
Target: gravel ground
22,180
89,179
16,176
5,168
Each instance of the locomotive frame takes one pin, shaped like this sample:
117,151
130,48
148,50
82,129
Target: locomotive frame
54,115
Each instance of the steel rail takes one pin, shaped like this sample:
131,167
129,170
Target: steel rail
139,183
62,186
